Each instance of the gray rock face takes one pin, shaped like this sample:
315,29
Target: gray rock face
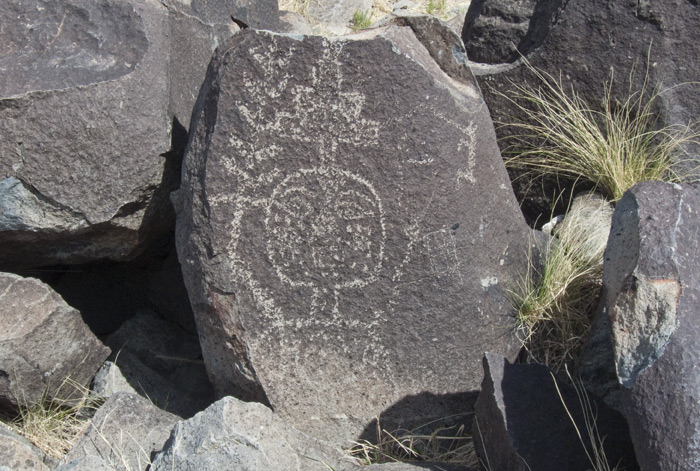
232,434
87,463
91,94
652,287
43,341
337,12
17,454
521,423
258,14
162,363
346,227
73,88
124,433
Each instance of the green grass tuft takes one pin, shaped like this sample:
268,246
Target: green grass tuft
555,301
361,20
436,7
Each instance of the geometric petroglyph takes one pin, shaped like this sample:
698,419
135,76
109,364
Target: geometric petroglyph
335,176
325,224
442,251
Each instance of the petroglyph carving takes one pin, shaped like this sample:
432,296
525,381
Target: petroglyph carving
468,146
442,250
324,224
328,223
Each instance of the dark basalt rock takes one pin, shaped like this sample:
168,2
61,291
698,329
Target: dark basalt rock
651,291
522,422
583,42
43,341
95,97
345,222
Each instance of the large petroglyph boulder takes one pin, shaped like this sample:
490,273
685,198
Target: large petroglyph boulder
651,291
87,115
43,341
346,227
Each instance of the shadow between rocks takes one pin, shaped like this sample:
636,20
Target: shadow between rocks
423,414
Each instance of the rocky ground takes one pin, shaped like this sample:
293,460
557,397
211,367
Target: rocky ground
256,236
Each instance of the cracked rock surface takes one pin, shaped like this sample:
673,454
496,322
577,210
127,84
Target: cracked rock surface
652,299
42,342
95,97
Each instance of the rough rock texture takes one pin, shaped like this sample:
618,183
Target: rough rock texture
258,14
94,94
245,436
417,466
343,243
294,23
196,28
109,380
651,292
162,363
17,454
495,30
86,463
583,40
125,432
336,12
42,342
521,423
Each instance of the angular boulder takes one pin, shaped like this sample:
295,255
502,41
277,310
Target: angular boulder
93,94
86,463
43,341
162,363
346,227
495,30
523,422
245,436
651,297
17,454
124,433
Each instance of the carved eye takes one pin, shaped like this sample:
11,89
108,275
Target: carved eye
296,202
351,211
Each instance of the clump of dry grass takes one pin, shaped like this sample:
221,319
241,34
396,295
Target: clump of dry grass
444,445
613,148
555,301
53,425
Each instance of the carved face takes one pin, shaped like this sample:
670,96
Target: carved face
325,229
